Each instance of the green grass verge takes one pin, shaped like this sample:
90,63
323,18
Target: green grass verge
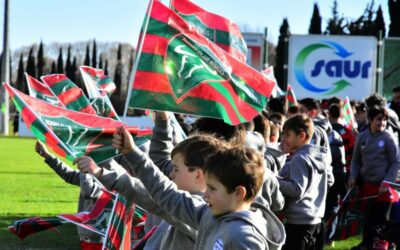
30,188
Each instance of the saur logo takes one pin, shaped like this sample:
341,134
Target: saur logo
341,68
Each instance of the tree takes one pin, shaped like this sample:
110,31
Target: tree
106,67
94,54
119,52
20,82
394,13
315,24
101,61
379,22
60,62
40,60
31,65
68,65
116,97
87,56
336,24
53,68
281,54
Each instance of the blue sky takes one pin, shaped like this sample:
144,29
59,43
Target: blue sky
120,20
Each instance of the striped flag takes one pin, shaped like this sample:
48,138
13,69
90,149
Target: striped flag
41,91
180,70
69,95
348,116
351,217
290,97
96,81
25,227
68,133
269,73
99,87
218,29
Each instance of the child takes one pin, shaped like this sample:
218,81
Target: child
375,159
230,220
90,190
304,183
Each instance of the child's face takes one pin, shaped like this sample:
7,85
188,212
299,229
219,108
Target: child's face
290,142
183,178
378,124
219,200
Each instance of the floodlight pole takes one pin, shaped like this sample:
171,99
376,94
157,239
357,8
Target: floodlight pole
5,75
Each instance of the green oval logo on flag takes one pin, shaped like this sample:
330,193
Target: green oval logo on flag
187,65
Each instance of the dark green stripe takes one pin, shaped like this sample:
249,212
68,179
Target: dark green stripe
38,130
191,105
151,63
231,40
158,28
62,86
78,104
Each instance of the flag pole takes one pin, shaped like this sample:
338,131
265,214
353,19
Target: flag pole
138,53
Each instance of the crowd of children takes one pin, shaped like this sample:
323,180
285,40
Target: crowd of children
224,187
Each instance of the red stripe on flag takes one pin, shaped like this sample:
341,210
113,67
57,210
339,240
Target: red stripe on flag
210,19
155,44
38,86
54,79
54,145
70,95
88,109
161,83
28,116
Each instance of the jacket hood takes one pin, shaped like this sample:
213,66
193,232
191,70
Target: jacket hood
269,226
315,154
322,122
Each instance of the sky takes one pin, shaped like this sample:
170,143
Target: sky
31,21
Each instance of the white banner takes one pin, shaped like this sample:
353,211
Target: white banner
326,66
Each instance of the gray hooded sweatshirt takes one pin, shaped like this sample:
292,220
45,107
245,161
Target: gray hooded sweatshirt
304,184
255,229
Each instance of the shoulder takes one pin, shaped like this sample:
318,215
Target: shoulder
242,235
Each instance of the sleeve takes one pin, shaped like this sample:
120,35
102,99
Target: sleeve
296,185
66,173
161,146
90,188
393,156
180,204
356,160
271,192
246,239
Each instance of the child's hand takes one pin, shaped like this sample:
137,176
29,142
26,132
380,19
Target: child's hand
42,150
161,115
351,183
87,165
123,141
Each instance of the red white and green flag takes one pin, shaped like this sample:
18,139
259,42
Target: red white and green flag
348,116
69,133
269,73
216,28
180,70
99,87
290,97
96,81
69,95
41,91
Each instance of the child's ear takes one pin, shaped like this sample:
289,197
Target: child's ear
303,135
240,193
199,174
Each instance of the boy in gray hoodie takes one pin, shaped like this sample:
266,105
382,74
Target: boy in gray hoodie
304,184
230,220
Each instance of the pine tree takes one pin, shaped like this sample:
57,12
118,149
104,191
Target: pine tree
336,24
20,82
315,24
60,62
106,67
87,56
379,22
281,54
40,60
68,65
94,54
31,65
101,61
394,13
119,52
53,68
116,97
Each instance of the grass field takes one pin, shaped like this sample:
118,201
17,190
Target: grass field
30,188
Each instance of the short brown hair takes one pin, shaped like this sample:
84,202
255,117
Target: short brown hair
197,148
238,167
298,124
